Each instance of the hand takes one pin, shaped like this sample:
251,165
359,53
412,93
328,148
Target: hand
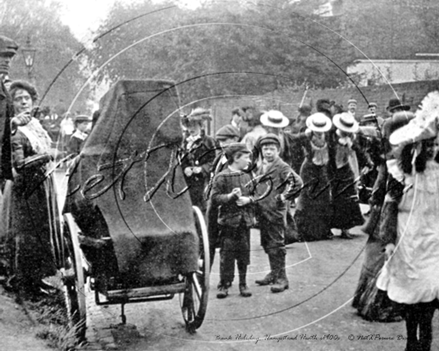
235,193
188,171
243,201
21,119
389,250
197,170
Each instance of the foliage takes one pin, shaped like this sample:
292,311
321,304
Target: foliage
55,46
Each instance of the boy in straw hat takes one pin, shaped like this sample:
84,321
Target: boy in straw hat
231,194
410,275
279,183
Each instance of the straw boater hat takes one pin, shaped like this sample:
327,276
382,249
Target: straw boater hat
345,121
319,122
423,126
274,119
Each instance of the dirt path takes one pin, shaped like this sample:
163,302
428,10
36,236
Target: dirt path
314,314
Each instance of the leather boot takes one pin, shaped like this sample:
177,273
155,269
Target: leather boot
281,282
270,277
244,290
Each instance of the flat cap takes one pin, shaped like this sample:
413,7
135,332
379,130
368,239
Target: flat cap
82,118
352,101
7,46
233,148
226,132
269,139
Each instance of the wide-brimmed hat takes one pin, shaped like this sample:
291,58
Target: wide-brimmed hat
423,126
269,138
226,132
396,103
371,118
319,122
346,122
274,119
198,114
7,46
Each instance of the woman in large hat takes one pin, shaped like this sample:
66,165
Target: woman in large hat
373,304
313,211
197,155
345,199
25,221
410,274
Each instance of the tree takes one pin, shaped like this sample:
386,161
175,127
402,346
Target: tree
56,47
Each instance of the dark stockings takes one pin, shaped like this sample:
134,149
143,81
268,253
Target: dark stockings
418,318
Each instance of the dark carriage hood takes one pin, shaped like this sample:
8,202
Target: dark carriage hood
126,181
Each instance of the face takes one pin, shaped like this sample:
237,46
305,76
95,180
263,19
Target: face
236,119
194,128
83,127
225,142
22,102
242,162
372,109
319,135
351,107
273,130
270,152
5,63
431,148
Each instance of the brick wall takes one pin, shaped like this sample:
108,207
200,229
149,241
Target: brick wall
288,101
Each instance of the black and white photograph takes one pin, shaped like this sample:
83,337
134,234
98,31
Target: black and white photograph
219,175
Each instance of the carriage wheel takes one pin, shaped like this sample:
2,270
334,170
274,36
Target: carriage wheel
74,287
195,298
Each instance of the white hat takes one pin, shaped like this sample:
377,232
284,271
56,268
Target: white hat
274,119
345,121
319,122
423,126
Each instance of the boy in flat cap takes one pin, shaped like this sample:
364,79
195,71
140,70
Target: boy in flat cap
76,142
232,195
284,185
225,136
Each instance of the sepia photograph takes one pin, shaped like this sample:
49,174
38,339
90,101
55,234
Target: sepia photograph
219,175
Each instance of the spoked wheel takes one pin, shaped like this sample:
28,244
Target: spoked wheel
74,287
194,301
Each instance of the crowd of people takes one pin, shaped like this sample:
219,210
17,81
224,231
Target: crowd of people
306,175
302,175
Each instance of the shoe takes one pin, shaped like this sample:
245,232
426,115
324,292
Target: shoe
329,235
244,291
280,286
222,292
267,280
345,234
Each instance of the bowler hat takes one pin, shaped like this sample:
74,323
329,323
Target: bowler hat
395,104
346,122
226,132
233,148
7,46
319,122
269,139
274,119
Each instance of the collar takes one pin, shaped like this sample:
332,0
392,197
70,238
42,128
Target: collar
80,135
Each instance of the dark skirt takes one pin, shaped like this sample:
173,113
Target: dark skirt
27,231
345,200
371,303
313,211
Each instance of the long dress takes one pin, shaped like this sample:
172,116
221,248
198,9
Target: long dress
371,303
313,209
28,213
345,199
411,274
